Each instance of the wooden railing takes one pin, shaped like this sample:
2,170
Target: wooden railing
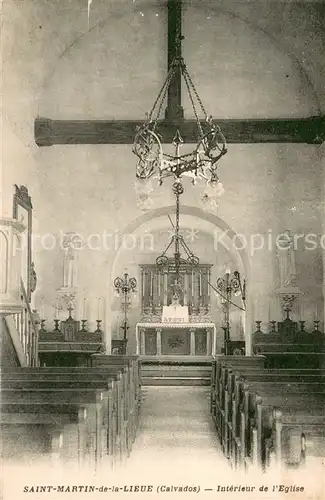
27,329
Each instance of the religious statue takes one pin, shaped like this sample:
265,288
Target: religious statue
175,299
68,268
33,278
286,260
71,243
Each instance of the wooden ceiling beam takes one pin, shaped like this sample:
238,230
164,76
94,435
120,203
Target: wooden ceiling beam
237,131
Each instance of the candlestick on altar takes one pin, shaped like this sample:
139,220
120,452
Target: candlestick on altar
301,312
84,310
241,327
98,309
258,325
273,326
43,308
98,330
57,309
83,325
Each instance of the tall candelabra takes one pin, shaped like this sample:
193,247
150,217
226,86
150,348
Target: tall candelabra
125,287
226,287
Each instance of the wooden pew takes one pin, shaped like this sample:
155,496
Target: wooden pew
121,405
81,377
242,420
132,361
43,429
89,432
134,383
231,422
240,362
292,433
64,383
225,376
269,423
278,347
295,359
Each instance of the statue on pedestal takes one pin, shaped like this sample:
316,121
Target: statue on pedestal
71,245
286,260
69,268
288,291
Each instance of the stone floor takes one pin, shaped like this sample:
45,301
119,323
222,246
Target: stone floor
176,434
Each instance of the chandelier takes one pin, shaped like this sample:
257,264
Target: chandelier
163,262
199,164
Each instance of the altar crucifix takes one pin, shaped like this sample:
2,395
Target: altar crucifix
50,132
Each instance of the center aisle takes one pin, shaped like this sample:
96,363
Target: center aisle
176,435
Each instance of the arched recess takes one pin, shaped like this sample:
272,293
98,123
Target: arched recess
207,222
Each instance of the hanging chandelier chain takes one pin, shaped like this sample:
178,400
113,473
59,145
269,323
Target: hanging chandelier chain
161,97
186,75
199,100
177,255
177,216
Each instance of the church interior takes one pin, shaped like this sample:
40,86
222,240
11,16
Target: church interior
163,240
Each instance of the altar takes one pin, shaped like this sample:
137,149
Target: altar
164,339
175,323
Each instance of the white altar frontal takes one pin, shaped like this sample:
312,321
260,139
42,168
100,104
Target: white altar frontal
168,339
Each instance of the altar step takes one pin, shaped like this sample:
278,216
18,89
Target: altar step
175,381
182,374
